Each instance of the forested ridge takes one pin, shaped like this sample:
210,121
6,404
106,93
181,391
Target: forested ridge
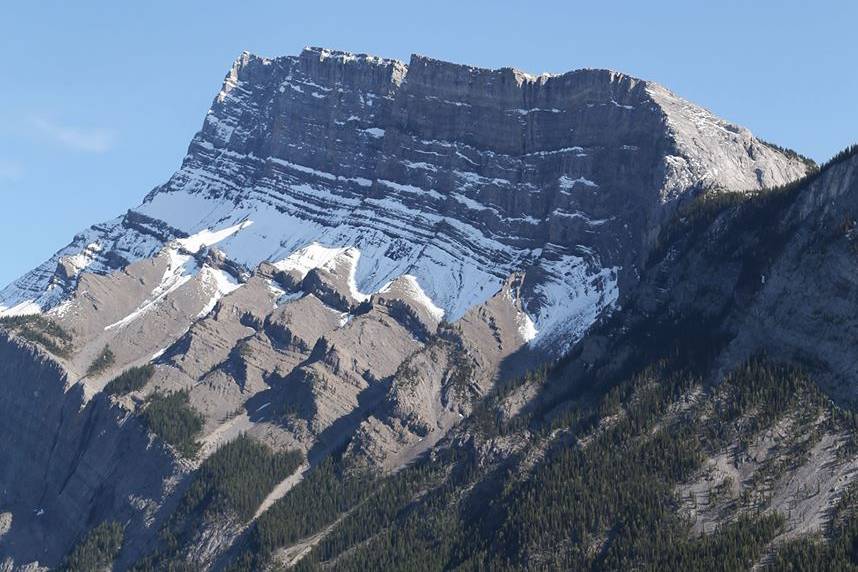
598,491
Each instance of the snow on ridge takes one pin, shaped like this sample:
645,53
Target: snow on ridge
39,290
23,308
571,298
620,105
526,327
347,57
84,258
207,237
376,132
449,279
472,204
316,255
411,286
580,215
222,282
181,268
363,182
352,255
568,183
158,354
521,111
310,257
410,189
524,323
174,277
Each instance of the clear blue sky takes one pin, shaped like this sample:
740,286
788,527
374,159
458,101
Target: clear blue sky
99,99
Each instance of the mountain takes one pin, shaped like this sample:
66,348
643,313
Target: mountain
427,313
456,175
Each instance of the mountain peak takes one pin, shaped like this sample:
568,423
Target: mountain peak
514,171
356,255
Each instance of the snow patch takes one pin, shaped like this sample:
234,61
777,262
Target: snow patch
207,237
174,277
363,182
158,354
420,165
376,132
621,105
580,215
25,308
84,258
572,296
222,283
534,110
569,183
411,189
315,255
575,149
312,256
409,284
274,288
475,179
526,327
472,204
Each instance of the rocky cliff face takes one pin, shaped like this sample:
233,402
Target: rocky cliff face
456,175
67,465
352,254
773,276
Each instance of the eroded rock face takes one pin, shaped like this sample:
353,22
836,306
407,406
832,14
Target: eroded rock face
435,387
